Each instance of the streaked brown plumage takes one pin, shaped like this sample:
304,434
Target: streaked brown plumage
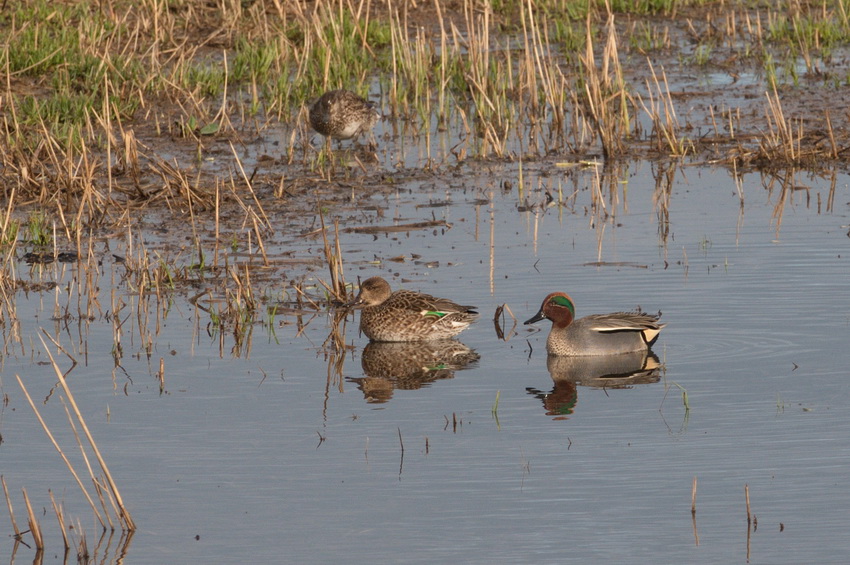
341,114
405,315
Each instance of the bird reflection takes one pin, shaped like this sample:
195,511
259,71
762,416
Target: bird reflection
602,371
409,365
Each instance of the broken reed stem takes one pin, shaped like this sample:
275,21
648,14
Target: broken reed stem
694,497
260,241
747,497
82,545
9,505
831,135
338,266
694,512
499,322
35,529
334,260
60,516
161,375
250,186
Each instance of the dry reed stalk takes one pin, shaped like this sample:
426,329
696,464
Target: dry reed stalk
605,92
60,516
161,375
260,241
784,194
124,514
334,261
694,511
216,248
249,211
528,67
336,337
82,545
61,453
107,128
98,488
749,521
832,143
694,497
9,261
9,506
597,200
250,187
499,322
667,130
492,246
781,134
475,44
442,115
35,528
552,78
244,294
664,182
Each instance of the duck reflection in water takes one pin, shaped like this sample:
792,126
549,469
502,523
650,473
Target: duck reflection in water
409,365
605,371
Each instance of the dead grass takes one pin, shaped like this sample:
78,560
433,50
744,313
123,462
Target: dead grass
112,114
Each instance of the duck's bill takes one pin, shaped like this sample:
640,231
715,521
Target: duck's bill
536,318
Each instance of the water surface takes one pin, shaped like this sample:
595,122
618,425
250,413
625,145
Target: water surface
270,452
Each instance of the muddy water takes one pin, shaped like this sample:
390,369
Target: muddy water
287,454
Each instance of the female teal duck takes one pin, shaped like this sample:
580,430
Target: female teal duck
597,334
405,315
341,114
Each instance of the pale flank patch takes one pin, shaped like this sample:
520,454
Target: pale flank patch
649,334
349,130
610,328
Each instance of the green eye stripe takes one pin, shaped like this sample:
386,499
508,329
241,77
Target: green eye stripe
565,302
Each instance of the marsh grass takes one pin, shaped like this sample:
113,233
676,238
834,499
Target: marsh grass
607,99
110,113
89,85
666,128
337,289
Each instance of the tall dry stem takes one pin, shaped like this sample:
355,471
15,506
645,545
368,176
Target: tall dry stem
35,527
606,95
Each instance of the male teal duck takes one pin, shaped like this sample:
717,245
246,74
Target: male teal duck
597,334
405,315
341,114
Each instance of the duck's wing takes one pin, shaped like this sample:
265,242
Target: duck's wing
429,305
625,321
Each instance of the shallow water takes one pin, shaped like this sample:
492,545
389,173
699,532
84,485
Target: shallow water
273,455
